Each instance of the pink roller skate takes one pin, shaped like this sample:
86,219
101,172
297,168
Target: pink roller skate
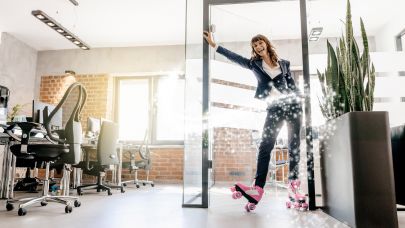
252,194
296,200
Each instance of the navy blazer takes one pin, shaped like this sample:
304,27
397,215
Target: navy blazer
283,82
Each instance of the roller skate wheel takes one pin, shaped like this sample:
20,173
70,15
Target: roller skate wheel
247,208
288,204
304,207
296,205
251,206
233,189
236,195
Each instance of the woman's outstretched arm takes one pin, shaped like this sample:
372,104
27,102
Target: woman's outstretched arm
238,59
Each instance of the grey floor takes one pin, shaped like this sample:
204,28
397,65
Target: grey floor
161,207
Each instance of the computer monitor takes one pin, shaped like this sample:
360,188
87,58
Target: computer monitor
4,95
93,126
38,114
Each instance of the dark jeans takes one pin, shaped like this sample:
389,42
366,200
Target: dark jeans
290,111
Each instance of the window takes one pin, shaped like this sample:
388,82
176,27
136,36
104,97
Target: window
170,109
154,103
133,114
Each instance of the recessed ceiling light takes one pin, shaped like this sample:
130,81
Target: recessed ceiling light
39,16
315,33
59,28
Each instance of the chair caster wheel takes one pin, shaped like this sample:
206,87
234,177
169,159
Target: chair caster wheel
79,192
124,184
153,185
43,203
137,186
98,190
144,184
122,190
9,207
109,193
68,209
22,211
77,203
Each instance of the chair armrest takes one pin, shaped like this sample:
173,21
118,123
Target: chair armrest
27,128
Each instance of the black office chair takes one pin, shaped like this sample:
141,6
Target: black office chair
62,146
107,156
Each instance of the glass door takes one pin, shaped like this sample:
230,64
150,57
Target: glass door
223,120
193,118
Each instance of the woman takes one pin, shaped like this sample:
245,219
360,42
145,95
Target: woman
278,89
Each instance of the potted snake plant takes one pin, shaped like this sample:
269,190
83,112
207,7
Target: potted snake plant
355,147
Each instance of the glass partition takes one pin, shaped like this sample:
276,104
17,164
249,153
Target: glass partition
192,172
236,117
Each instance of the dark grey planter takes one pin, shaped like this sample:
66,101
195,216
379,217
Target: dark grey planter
357,173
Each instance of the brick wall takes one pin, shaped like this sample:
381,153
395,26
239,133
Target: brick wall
98,88
167,165
235,155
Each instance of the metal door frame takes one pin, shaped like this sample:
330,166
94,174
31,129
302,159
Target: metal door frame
206,163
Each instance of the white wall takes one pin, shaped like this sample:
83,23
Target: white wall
17,70
385,38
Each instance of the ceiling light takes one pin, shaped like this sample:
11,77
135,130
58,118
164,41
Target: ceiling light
59,28
74,2
39,16
315,33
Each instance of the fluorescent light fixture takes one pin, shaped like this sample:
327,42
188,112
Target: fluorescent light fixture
74,2
59,28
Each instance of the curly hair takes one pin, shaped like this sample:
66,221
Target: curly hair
270,49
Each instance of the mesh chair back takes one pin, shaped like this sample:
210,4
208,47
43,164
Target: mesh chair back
72,133
107,144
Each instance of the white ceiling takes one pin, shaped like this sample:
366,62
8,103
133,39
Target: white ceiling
123,23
